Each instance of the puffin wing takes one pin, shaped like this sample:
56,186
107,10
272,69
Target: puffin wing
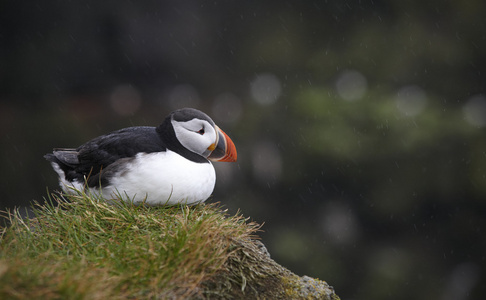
103,155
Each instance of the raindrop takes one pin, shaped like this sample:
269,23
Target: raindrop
266,88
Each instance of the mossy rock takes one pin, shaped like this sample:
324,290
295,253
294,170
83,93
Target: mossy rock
250,273
81,247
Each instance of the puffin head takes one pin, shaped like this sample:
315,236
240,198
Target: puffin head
197,132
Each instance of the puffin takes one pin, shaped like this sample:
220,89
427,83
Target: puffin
155,166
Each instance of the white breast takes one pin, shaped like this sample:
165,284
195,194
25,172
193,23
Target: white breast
163,178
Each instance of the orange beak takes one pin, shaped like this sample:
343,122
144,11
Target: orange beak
225,149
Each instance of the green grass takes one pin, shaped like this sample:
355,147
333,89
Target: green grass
81,247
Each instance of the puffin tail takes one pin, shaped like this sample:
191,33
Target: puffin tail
66,156
65,160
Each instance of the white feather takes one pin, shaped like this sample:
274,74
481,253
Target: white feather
162,178
65,185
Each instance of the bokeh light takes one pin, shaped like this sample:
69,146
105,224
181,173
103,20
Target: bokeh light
475,111
265,88
351,85
411,100
125,100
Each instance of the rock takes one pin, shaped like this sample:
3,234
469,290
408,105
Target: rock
250,273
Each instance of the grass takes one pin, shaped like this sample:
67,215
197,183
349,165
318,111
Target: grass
84,248
81,247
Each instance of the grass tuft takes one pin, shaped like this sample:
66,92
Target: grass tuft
81,247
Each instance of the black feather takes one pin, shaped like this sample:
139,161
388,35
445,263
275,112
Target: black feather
92,160
101,158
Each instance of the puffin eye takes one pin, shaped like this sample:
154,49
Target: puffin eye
201,131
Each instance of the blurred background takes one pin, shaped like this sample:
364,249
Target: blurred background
360,125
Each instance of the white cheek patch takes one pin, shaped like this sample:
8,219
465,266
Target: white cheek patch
188,135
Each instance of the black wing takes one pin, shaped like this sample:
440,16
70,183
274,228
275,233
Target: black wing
89,159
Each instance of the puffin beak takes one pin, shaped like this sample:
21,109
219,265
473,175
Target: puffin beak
223,149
